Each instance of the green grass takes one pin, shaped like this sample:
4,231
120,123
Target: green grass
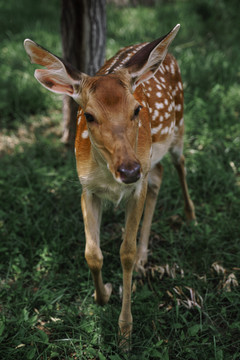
46,305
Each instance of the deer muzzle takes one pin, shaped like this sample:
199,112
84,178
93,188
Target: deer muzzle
129,173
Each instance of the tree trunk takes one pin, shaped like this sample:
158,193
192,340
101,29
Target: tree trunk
83,30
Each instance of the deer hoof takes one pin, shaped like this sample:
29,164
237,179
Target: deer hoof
191,219
124,337
103,298
139,266
190,213
108,288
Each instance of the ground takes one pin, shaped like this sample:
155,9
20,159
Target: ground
187,306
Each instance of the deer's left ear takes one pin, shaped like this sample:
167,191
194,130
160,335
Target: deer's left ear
146,61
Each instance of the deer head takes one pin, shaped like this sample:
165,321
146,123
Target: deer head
111,108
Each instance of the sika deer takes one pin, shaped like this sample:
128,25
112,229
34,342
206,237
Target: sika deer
130,116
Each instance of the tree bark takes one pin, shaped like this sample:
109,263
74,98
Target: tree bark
83,31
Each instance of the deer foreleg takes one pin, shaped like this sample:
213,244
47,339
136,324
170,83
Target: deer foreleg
128,257
91,209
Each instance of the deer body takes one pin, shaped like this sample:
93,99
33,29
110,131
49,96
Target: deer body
130,116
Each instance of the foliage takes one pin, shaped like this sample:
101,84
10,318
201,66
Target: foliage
19,94
187,306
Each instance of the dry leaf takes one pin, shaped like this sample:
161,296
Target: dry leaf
230,281
218,268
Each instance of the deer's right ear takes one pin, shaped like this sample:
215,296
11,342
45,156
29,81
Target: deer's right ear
58,77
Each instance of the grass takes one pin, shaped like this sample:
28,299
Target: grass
187,307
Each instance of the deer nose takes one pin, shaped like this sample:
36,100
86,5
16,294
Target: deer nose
130,173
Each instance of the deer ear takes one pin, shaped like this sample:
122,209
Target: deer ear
146,61
58,77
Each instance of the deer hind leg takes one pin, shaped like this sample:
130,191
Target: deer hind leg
179,162
154,183
91,209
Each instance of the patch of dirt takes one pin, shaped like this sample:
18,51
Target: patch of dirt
26,133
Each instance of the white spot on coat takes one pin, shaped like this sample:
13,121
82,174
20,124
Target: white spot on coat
164,130
85,134
178,107
159,105
156,129
155,114
180,85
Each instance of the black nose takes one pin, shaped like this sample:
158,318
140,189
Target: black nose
130,173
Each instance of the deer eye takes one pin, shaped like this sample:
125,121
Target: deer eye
89,117
137,110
